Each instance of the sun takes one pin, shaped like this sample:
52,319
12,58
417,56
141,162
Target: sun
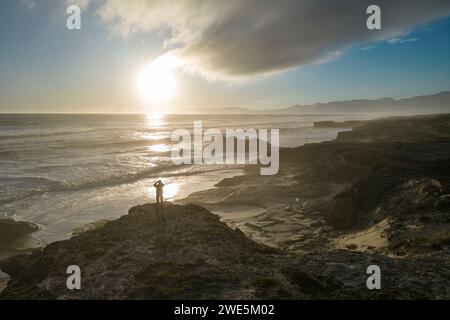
155,82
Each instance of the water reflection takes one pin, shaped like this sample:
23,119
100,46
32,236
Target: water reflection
155,120
171,190
161,147
152,136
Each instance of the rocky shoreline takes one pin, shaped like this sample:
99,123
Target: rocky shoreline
390,175
379,194
190,254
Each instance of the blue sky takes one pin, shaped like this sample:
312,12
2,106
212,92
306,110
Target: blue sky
44,67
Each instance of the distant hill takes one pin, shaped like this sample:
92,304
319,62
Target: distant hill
436,103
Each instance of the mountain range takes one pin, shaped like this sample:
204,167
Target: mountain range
436,103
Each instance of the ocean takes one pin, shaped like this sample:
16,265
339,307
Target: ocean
64,171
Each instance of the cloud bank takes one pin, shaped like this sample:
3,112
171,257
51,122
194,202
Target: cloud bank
83,4
243,38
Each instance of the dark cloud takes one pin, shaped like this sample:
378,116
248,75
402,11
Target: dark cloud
241,38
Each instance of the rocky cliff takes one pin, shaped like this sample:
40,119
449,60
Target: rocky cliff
189,254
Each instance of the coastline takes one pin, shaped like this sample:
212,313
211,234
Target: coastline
377,193
59,211
45,231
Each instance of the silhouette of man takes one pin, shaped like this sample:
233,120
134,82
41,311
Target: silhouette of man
159,185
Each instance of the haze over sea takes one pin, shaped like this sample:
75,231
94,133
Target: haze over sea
64,171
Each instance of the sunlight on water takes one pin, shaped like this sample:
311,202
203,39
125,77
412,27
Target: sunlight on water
155,120
159,147
170,190
152,136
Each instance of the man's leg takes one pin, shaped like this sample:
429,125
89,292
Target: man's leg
158,204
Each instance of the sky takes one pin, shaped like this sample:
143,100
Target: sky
257,54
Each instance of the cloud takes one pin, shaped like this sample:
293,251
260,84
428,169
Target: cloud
243,38
33,4
399,40
365,48
29,4
83,4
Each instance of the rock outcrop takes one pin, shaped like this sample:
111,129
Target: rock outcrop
190,254
187,254
395,170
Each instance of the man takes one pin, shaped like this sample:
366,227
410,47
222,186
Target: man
159,194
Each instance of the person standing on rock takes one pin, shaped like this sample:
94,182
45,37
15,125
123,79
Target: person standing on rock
159,185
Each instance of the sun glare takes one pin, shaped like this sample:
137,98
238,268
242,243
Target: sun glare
156,81
171,190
